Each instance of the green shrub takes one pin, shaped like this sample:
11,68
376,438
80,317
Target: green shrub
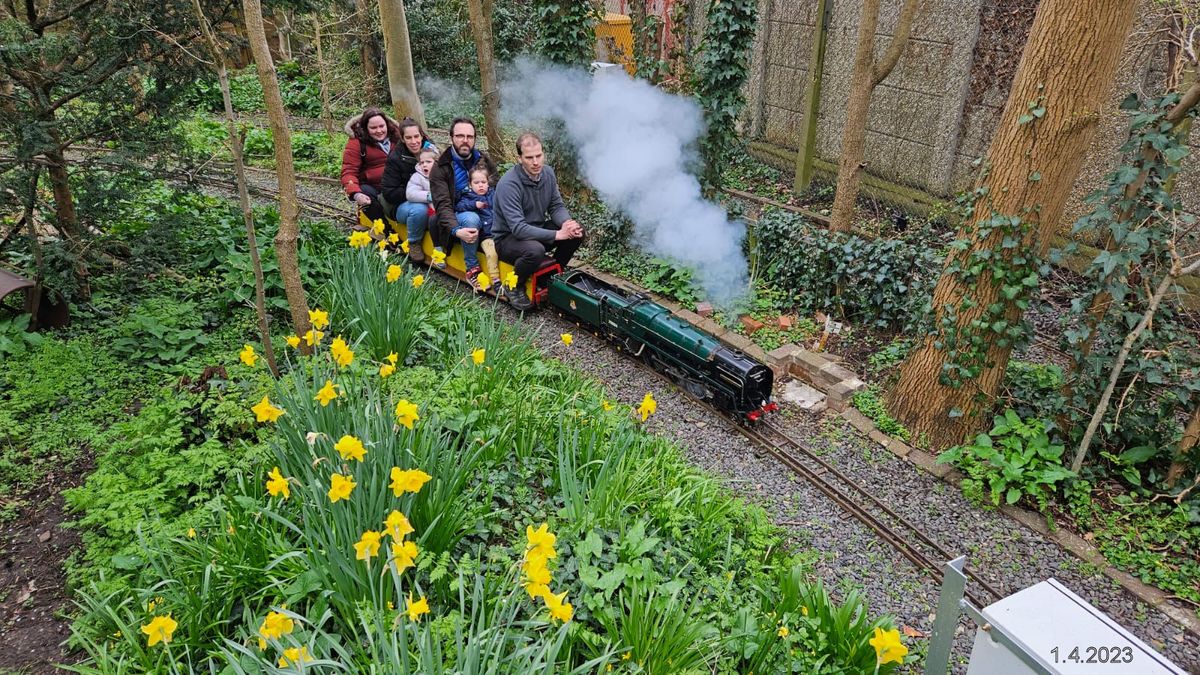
1015,459
883,282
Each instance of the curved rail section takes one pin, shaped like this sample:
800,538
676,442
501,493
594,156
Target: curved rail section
860,503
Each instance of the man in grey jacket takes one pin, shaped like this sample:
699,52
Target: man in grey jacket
531,219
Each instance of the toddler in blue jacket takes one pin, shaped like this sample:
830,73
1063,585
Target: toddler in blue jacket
478,203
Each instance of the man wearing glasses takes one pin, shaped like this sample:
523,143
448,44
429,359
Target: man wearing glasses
450,178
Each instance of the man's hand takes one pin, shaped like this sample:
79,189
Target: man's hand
361,199
572,228
468,234
481,205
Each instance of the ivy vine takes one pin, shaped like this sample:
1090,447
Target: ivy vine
722,72
997,278
1161,379
568,33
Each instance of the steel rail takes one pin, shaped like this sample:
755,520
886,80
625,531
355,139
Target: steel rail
863,505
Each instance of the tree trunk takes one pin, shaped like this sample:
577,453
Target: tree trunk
65,216
867,74
364,24
239,172
481,28
283,31
1191,435
402,83
64,201
35,245
326,108
1065,73
289,204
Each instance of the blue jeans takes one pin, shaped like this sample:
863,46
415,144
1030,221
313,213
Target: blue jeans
468,220
415,216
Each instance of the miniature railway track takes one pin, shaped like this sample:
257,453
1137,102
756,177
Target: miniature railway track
912,542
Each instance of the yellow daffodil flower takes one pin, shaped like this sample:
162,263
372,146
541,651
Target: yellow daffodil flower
326,393
275,626
394,272
416,609
510,280
350,447
567,339
540,541
478,356
313,337
536,571
340,487
404,246
382,245
360,239
536,591
265,412
559,607
318,318
295,655
342,354
804,610
409,480
386,369
277,484
368,545
404,554
293,341
606,405
484,281
248,356
397,526
392,358
782,632
647,407
418,281
191,533
160,629
393,238
888,647
439,257
406,413
377,227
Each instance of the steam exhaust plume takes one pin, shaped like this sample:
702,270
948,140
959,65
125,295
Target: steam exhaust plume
634,145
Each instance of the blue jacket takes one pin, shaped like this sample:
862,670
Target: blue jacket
467,203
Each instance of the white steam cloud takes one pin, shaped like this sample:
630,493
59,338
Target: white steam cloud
634,145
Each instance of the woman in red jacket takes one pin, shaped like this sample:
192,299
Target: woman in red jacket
372,137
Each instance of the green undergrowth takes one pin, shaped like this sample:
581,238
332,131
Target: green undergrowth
665,570
1156,541
314,152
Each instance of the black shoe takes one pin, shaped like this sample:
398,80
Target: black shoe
518,300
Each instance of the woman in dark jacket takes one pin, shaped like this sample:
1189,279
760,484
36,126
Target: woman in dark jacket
400,167
372,138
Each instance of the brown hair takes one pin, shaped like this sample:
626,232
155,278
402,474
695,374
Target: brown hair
359,126
527,138
480,168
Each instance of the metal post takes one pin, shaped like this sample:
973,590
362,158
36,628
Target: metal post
954,583
806,150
